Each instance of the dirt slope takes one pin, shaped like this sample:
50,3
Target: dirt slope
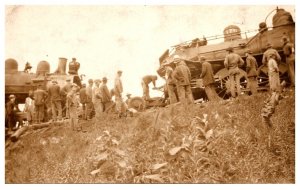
208,143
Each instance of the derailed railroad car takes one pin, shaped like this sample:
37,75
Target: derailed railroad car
282,25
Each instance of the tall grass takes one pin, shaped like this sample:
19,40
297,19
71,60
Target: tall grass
210,143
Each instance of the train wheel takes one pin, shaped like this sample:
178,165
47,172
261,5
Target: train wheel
137,103
263,78
223,84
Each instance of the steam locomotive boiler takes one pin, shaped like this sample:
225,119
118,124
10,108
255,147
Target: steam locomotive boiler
20,82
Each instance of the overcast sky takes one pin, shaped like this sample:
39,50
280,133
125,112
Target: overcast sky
105,39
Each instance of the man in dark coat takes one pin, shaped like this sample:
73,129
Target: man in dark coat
89,98
105,95
207,76
251,69
289,52
11,109
64,91
54,94
83,100
74,67
182,75
27,67
40,97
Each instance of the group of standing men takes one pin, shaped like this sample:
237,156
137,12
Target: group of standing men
271,59
99,97
179,78
95,98
54,97
178,84
178,81
65,101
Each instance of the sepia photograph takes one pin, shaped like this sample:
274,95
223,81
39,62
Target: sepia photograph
149,94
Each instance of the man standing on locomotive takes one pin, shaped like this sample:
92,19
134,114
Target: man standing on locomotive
74,67
207,76
183,76
251,70
232,62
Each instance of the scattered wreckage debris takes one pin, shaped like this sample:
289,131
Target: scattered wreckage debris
29,128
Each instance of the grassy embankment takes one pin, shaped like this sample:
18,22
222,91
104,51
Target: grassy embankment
209,143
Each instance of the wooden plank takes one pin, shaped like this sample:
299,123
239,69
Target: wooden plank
40,125
14,137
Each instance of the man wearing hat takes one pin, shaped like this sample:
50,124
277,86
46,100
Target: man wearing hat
146,80
251,69
118,90
207,76
27,67
232,62
95,89
74,67
89,99
182,75
29,108
83,100
64,91
171,84
267,53
128,95
273,72
40,97
72,104
106,95
289,52
11,110
97,102
55,99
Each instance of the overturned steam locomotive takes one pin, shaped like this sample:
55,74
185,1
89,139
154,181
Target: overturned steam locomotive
190,51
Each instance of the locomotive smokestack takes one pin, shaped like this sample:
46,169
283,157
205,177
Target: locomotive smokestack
62,64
